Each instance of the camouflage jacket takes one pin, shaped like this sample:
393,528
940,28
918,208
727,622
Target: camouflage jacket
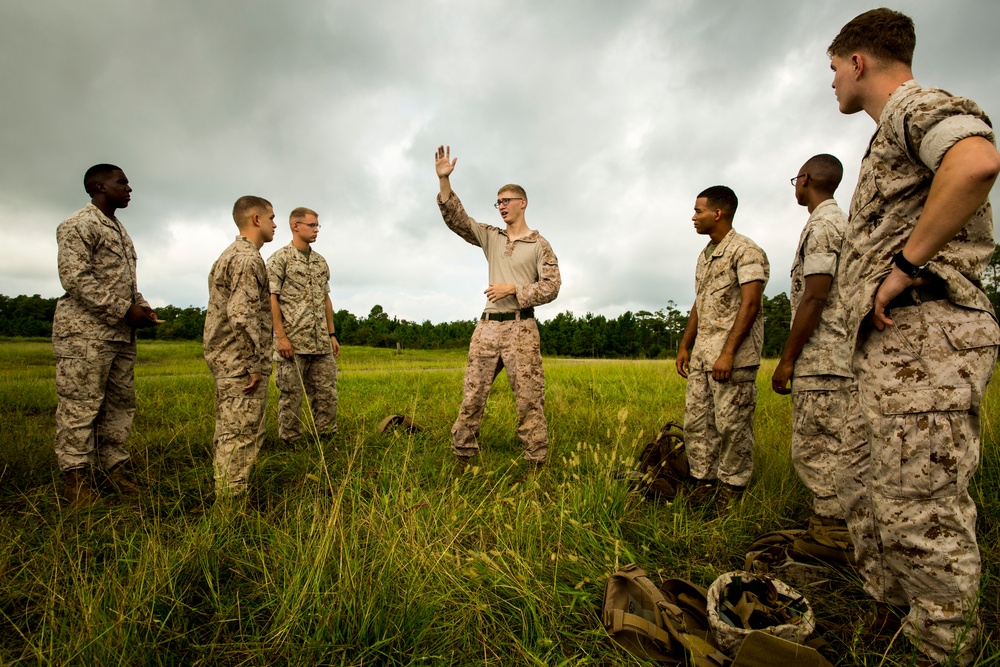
301,282
735,261
528,263
917,127
828,351
97,270
237,336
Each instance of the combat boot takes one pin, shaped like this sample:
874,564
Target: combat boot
78,489
122,481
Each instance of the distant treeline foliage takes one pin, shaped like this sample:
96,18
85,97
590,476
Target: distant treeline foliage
643,334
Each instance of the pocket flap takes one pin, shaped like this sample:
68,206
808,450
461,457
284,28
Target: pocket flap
968,335
927,399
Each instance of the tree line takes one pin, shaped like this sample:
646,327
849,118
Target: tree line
643,334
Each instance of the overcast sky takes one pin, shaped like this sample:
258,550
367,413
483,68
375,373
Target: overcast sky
612,115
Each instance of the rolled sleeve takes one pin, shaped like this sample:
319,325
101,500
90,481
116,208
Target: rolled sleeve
820,264
939,139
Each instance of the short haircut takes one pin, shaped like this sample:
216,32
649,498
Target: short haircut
882,33
247,205
516,189
720,197
826,170
98,174
300,213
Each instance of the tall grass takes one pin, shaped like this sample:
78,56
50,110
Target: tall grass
367,548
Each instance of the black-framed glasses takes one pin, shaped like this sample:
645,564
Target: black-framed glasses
505,201
795,180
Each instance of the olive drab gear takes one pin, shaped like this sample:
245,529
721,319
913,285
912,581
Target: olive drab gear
663,464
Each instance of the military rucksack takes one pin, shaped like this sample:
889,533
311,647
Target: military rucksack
662,466
670,625
802,557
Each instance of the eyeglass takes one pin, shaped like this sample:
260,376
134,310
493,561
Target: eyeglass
794,180
505,201
311,225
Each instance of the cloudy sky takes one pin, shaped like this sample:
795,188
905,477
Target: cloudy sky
612,115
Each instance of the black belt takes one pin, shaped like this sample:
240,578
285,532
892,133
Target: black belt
525,314
914,296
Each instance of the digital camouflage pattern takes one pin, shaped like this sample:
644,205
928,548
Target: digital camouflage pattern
93,343
316,374
96,390
529,262
237,343
718,425
302,280
239,433
828,350
921,381
819,410
917,127
735,261
921,384
513,345
237,337
97,270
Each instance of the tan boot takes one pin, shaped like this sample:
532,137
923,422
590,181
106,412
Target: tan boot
122,481
77,488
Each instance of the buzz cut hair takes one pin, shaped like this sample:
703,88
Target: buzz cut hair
300,213
97,174
721,197
247,205
516,189
884,34
826,170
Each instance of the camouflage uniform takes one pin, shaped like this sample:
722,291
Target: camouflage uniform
922,380
718,416
237,343
301,280
531,265
92,341
822,377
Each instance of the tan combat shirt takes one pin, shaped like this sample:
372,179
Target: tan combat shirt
301,280
828,351
735,261
528,263
97,270
238,320
917,127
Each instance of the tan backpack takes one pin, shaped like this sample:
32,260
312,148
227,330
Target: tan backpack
669,625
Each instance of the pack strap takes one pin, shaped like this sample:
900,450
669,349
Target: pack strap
617,620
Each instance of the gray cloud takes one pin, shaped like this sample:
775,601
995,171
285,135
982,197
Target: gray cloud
612,115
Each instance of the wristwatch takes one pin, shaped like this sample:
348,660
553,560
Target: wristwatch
907,267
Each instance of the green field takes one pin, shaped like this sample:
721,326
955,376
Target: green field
367,549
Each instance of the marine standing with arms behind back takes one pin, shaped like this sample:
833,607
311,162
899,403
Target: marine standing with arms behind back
238,345
919,235
719,353
523,273
306,347
93,337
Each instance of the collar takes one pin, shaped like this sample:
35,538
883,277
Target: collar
530,238
722,244
903,90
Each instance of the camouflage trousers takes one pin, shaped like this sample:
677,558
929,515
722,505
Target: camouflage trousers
315,375
96,389
819,407
853,491
239,432
513,345
920,386
718,425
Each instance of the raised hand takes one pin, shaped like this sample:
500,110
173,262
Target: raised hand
443,163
